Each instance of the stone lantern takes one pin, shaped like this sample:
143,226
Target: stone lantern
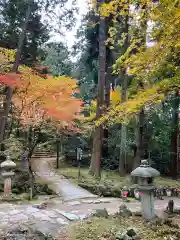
145,176
7,173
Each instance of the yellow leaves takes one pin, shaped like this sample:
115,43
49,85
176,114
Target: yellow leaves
177,13
146,65
112,34
115,96
6,57
123,60
125,111
94,3
165,16
107,8
7,54
114,7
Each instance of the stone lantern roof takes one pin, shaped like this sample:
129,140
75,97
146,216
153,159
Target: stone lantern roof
8,163
145,171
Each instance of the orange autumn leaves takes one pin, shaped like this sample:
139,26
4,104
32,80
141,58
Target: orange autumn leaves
37,98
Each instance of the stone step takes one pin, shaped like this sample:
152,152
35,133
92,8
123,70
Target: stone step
43,156
40,156
44,153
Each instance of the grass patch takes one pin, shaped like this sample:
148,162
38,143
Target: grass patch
167,182
107,229
111,182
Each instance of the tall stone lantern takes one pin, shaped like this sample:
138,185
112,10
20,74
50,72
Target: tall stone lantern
145,176
7,173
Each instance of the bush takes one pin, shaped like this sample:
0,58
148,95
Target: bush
15,191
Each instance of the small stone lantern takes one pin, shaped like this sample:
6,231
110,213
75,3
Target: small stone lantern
145,176
7,172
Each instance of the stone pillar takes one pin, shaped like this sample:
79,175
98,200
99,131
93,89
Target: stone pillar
7,187
147,204
7,173
7,182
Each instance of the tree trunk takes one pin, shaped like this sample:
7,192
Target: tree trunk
98,135
141,125
123,147
108,80
57,153
9,91
124,84
139,154
31,147
174,137
95,166
108,77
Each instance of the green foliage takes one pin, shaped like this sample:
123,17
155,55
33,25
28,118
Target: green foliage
57,59
13,147
86,49
11,22
58,17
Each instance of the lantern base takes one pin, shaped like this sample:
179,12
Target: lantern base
147,204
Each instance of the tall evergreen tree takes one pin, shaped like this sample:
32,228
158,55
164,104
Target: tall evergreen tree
57,59
11,22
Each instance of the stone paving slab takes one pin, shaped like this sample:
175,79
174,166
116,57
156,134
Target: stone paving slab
41,216
31,210
55,217
62,221
50,213
20,217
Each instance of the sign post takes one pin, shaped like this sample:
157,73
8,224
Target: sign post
79,157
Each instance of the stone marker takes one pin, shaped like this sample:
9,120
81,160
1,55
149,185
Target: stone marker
124,211
101,213
145,176
170,207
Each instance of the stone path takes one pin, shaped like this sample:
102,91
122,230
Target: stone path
53,218
63,187
77,204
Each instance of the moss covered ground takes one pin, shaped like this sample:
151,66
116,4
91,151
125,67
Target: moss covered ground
111,182
111,228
